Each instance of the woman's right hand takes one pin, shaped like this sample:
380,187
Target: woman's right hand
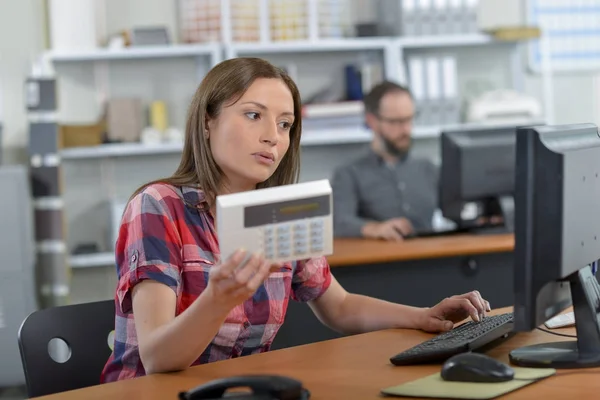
233,282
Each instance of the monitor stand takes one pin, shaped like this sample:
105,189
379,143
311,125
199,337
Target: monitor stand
504,206
581,353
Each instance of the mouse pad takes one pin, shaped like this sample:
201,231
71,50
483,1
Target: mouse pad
433,386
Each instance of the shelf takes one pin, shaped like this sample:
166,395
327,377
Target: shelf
120,150
322,45
446,40
353,44
309,138
318,137
92,260
434,131
336,136
129,53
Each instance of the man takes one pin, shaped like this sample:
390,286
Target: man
387,194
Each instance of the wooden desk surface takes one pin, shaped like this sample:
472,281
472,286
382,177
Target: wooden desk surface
364,251
354,367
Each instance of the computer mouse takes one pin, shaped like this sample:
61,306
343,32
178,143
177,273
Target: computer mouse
476,367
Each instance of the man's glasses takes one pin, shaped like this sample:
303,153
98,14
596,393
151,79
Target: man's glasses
397,121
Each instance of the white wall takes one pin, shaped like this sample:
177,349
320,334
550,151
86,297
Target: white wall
21,39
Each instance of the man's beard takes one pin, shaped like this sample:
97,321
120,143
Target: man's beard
391,148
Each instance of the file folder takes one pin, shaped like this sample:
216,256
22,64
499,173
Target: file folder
455,13
434,92
423,17
409,18
416,76
471,16
451,100
439,15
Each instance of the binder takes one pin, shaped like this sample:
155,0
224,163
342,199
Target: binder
455,10
451,100
472,26
409,18
416,76
389,17
440,17
434,99
423,17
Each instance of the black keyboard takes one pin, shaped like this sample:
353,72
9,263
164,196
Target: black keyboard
469,336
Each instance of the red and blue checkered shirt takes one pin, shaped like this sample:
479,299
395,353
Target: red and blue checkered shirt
168,235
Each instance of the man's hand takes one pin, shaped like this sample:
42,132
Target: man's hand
393,229
443,316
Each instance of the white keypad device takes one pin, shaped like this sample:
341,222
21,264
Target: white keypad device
561,321
286,223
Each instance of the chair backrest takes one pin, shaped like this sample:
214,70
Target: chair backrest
87,329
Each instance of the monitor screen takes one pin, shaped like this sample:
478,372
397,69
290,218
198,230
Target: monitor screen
477,166
557,240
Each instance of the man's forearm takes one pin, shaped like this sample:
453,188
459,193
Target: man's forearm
359,314
349,226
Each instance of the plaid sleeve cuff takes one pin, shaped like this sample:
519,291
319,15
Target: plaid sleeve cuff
163,273
311,279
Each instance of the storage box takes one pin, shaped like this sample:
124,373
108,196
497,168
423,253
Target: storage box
202,20
82,135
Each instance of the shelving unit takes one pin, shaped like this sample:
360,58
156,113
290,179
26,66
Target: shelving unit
392,49
132,53
314,138
389,50
92,260
473,39
328,137
307,46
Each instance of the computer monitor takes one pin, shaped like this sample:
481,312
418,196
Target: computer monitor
478,168
557,239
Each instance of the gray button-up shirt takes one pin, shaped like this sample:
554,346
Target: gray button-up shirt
370,190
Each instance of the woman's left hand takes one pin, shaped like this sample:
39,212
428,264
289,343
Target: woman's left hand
443,316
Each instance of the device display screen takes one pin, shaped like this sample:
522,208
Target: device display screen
299,208
286,211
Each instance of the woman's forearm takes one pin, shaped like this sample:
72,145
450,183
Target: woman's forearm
177,344
359,314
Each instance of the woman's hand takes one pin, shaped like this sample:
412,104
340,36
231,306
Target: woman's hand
235,280
443,316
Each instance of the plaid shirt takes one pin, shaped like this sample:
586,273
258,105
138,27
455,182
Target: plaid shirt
175,242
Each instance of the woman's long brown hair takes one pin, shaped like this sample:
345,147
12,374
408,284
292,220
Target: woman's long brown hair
225,84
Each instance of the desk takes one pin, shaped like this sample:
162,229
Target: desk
363,251
355,367
418,272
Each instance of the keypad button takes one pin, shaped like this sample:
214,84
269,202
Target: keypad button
300,243
301,248
283,229
316,234
300,235
284,237
300,227
283,253
284,245
270,248
316,224
316,247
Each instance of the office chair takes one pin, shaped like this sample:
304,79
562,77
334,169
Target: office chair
85,328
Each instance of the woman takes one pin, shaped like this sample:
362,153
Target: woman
178,304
